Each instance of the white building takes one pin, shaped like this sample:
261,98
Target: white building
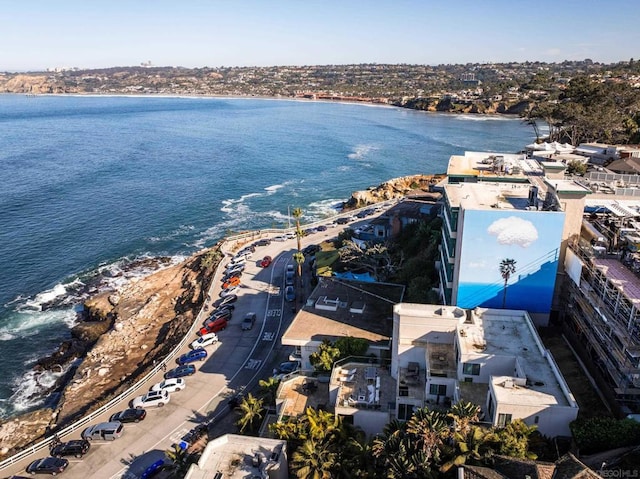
490,357
234,456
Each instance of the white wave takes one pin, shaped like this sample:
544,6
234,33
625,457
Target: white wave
235,206
343,168
324,208
25,323
45,297
30,389
361,151
472,117
274,188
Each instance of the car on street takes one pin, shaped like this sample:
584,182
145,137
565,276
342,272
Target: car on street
322,228
289,293
218,314
213,326
234,270
288,280
204,340
266,261
231,282
230,299
48,465
107,431
193,356
342,221
229,291
290,235
279,238
248,321
76,447
180,371
310,249
129,415
151,399
263,242
170,385
285,368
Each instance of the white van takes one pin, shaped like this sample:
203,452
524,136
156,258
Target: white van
107,431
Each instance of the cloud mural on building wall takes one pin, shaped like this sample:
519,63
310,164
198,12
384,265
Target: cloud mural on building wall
513,231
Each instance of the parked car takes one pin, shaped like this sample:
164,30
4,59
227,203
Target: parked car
279,238
154,469
107,431
342,221
204,340
48,465
234,270
232,298
227,276
248,321
229,291
231,282
180,371
263,242
321,228
76,447
290,235
151,399
129,415
285,368
222,314
193,356
288,280
213,327
170,385
289,293
266,261
311,249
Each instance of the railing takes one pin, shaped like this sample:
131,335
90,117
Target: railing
113,402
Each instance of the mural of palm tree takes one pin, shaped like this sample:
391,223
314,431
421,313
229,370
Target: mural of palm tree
507,268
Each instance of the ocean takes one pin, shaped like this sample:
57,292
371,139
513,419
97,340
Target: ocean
92,183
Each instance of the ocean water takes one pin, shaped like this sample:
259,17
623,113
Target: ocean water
89,184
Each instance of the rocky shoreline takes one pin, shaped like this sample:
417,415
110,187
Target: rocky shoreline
121,335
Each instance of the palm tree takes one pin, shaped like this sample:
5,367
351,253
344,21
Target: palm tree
268,388
507,268
251,410
180,459
314,460
297,214
429,428
473,446
463,413
298,256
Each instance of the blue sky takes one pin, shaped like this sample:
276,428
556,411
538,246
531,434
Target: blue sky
39,34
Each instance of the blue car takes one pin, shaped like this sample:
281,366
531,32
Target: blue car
193,356
154,469
180,371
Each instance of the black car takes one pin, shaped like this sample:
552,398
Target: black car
341,221
77,448
48,465
129,415
263,242
180,371
321,228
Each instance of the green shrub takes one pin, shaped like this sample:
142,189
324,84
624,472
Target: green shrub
602,433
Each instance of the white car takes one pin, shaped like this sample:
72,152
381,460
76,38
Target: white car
238,268
236,260
170,385
280,238
204,340
229,291
152,398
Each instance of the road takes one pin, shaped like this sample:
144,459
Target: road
234,364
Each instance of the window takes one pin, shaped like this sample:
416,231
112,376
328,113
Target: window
438,389
403,391
471,368
468,380
503,420
405,411
536,419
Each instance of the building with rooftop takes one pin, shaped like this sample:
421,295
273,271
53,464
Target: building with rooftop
239,457
339,308
500,208
490,357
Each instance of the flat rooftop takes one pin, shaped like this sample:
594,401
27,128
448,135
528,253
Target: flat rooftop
478,164
493,332
232,455
339,307
294,398
488,195
364,386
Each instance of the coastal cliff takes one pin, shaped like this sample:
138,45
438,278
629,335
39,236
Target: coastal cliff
414,185
123,334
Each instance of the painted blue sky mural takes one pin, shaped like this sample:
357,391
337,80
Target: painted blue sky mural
531,238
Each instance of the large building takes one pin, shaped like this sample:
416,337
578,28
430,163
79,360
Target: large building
505,229
490,357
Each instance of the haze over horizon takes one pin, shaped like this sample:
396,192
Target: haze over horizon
39,35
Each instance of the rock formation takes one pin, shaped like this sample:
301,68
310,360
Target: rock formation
396,188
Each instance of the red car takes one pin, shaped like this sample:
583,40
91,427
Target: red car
266,261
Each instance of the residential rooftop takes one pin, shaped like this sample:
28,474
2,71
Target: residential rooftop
510,333
508,167
234,456
339,307
488,195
